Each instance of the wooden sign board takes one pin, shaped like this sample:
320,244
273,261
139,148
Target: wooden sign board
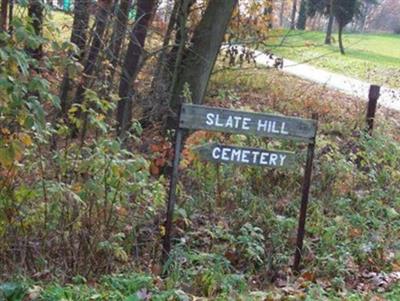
198,117
245,156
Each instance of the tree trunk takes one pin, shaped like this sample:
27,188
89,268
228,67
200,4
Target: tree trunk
294,12
35,12
10,16
168,65
118,35
79,38
364,16
130,67
102,15
328,37
340,39
301,21
181,32
167,37
163,69
80,24
3,16
200,58
97,43
282,12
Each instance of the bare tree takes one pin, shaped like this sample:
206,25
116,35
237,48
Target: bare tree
118,34
79,38
80,24
328,37
102,15
169,61
294,12
130,67
282,12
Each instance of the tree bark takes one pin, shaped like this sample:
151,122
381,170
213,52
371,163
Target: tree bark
118,34
162,68
35,12
282,12
200,58
3,16
294,12
102,15
145,8
80,24
364,16
340,39
168,65
328,37
167,37
301,21
10,16
79,38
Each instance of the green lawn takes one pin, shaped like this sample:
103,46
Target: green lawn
371,57
60,22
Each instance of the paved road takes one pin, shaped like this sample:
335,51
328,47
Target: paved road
390,98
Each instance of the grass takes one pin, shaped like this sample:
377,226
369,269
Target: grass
62,23
135,287
58,24
234,226
371,57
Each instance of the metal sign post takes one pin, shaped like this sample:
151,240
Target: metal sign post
304,203
172,196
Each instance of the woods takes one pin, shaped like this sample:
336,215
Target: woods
168,150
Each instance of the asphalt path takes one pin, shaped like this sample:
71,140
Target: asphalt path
389,98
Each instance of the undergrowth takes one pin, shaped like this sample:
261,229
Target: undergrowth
77,219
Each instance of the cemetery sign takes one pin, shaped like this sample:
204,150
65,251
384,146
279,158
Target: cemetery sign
198,117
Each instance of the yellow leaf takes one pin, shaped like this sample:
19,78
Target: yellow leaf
25,139
76,187
100,117
162,231
13,67
121,255
6,157
73,109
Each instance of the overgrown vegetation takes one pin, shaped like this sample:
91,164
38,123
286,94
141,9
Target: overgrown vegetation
82,218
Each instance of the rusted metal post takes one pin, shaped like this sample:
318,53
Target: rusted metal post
172,196
3,15
304,202
374,93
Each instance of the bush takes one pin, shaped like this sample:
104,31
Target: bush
79,208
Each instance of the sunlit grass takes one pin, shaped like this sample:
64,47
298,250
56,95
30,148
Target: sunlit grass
371,57
61,23
57,24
